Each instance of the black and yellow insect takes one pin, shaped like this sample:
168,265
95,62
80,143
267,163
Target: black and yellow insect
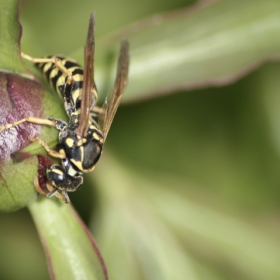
81,140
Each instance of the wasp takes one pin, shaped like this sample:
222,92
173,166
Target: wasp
81,140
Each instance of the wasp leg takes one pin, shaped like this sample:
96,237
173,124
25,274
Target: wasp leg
97,110
37,60
64,70
61,154
56,61
66,197
31,120
59,124
52,192
37,186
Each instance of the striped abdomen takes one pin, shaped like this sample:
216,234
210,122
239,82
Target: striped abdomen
57,79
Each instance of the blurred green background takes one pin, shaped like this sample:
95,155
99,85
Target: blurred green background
188,186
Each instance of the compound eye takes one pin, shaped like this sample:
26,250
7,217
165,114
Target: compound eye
55,174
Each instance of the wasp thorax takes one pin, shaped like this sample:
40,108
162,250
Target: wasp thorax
85,152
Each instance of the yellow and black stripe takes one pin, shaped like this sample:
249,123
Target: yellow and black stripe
58,80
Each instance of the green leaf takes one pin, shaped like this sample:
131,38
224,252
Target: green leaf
197,47
70,250
10,34
146,219
210,43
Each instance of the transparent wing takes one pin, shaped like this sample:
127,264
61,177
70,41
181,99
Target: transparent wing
89,92
110,107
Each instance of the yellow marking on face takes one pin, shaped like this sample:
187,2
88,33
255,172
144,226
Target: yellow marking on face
57,171
69,142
